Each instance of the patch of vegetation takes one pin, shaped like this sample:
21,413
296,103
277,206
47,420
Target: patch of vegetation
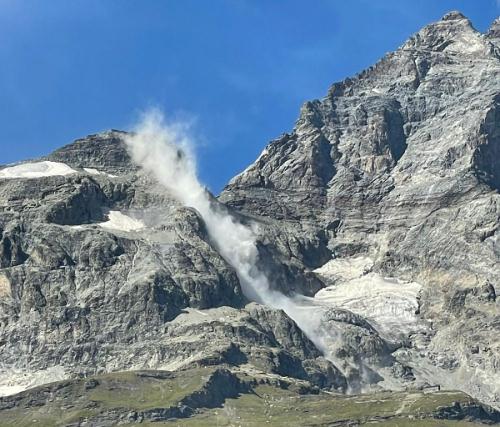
272,407
214,397
66,402
143,391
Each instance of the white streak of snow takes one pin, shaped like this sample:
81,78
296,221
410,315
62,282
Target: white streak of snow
93,171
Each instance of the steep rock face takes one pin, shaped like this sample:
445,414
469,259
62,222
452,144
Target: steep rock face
423,116
401,164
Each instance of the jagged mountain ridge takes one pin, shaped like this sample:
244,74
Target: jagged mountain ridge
410,179
395,173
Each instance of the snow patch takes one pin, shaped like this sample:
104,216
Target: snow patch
122,222
389,303
36,170
15,381
93,171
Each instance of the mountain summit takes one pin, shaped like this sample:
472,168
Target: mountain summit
378,213
400,164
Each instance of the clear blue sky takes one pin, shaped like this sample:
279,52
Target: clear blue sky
240,68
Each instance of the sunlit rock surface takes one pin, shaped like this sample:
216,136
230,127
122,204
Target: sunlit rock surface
400,165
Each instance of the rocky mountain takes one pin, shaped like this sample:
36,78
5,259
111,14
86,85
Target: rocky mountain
381,207
399,168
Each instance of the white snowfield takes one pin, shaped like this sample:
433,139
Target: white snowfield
121,222
36,170
389,303
15,381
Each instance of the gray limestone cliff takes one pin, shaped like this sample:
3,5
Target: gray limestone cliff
401,164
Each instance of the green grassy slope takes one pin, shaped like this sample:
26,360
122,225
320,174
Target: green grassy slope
217,397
